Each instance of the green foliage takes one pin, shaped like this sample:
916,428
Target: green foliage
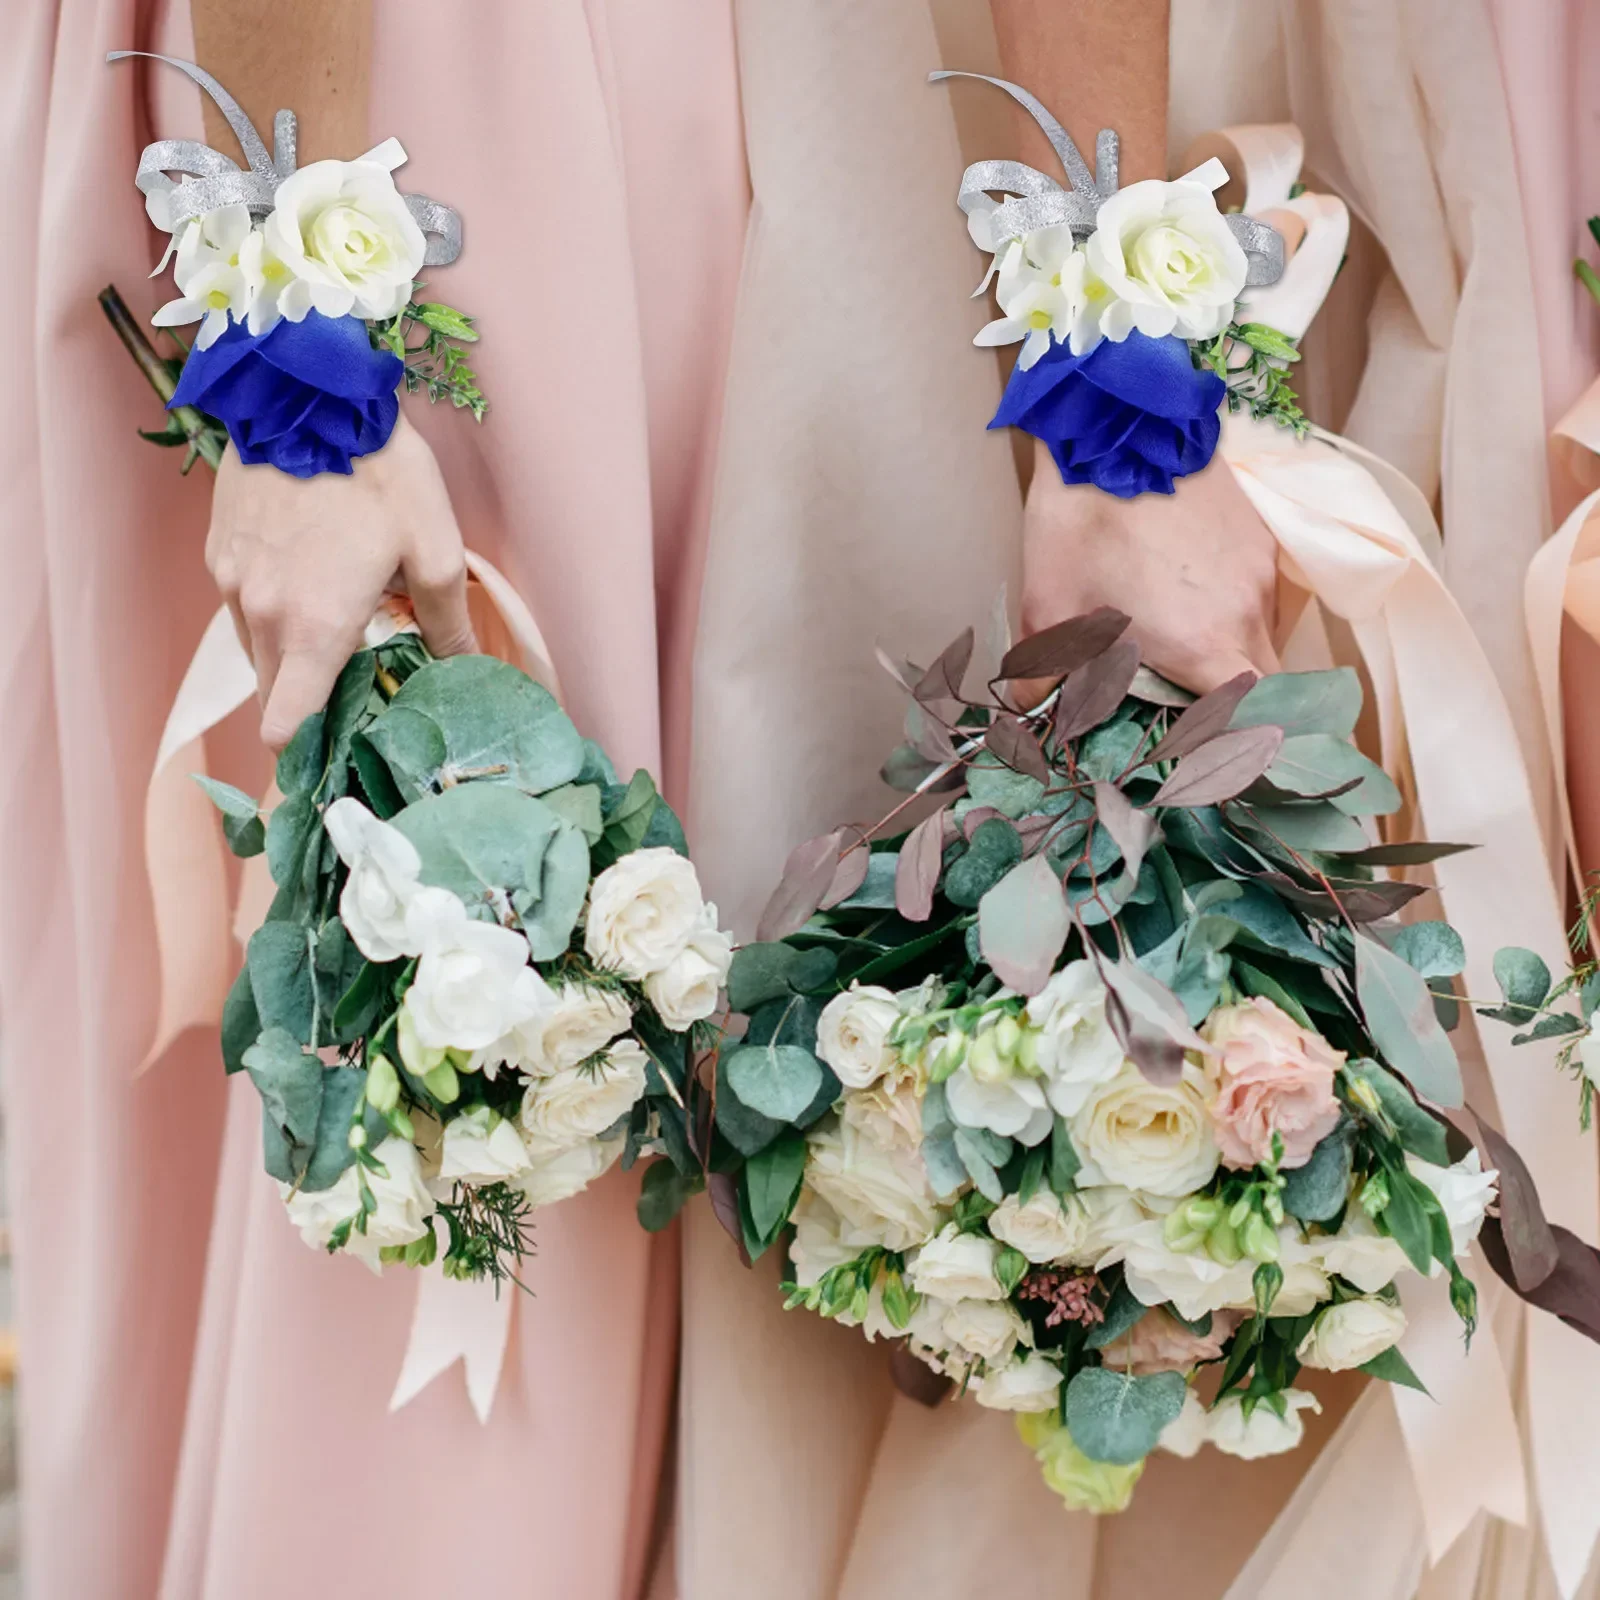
429,338
1250,358
1116,1417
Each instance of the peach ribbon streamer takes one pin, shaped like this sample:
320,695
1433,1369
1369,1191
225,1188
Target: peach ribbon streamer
1343,540
194,913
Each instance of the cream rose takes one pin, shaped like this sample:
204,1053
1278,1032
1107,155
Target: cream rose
1275,1078
882,1194
890,1112
1359,1253
643,910
1045,1229
1148,1137
347,240
1351,1334
1263,1432
1077,1049
403,1205
685,990
384,865
1032,1384
480,1146
582,1102
956,1266
853,1034
1165,261
560,1171
576,1022
987,1330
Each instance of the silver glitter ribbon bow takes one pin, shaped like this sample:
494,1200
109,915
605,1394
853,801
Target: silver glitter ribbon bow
1038,201
212,180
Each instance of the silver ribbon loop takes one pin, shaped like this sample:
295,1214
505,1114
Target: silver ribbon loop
1036,200
211,180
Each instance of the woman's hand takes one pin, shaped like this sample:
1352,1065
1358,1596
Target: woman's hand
1195,570
303,564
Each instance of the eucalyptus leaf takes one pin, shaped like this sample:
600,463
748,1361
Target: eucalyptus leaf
482,840
1400,1016
1433,948
241,1022
1317,763
778,1081
772,1184
994,850
550,913
1318,1190
278,959
1303,702
1119,1418
579,804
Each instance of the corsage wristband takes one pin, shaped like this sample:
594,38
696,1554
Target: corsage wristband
1124,301
301,279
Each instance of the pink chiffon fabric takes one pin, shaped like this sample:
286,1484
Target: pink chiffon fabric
206,1400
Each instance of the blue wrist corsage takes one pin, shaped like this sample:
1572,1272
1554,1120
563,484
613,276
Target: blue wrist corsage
301,281
1123,301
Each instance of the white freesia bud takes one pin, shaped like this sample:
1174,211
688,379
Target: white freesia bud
1351,1334
957,1266
404,1204
853,1034
685,991
643,910
1263,1432
1032,1384
473,983
344,235
480,1146
1589,1058
1077,1051
383,867
582,1102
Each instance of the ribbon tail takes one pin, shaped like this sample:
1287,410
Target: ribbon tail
456,1320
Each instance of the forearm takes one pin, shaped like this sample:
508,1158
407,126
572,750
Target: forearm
311,56
1096,64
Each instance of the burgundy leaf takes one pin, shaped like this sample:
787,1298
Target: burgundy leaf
974,819
939,688
1149,686
916,874
905,673
724,1194
1133,830
1530,1246
1156,1056
1206,718
916,1380
1056,651
1361,902
1264,792
1095,690
1414,854
926,729
807,875
848,876
1571,1291
1023,923
1009,741
1221,768
1155,1029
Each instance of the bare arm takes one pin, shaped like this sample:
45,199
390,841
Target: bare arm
1196,570
304,563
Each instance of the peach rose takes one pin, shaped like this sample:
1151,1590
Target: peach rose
1158,1342
1273,1077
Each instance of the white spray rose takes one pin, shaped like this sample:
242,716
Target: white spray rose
1013,1107
1187,1431
1589,1058
853,1034
1351,1333
1464,1192
1154,1138
685,990
582,1102
344,234
404,1204
1359,1253
1194,1284
1077,1049
480,1146
1032,1384
560,1171
1045,1229
988,1330
1039,283
473,984
882,1193
643,910
383,867
1166,262
1263,1432
957,1266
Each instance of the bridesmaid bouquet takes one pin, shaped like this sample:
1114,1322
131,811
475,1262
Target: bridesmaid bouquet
1108,1088
485,973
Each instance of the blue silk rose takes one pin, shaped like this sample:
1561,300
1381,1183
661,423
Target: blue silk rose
304,397
1128,417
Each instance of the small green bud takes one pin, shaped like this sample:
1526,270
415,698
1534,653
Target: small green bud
443,1084
1222,1243
383,1085
357,1137
1375,1194
945,1055
1241,1210
1202,1214
984,1061
1007,1038
418,1058
860,1304
1259,1239
391,1255
897,1301
1179,1235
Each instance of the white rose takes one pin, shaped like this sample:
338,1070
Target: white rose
577,1022
890,1112
643,910
1194,1284
473,984
404,1204
853,1034
686,989
1464,1192
1187,1431
988,1330
1165,260
1033,1384
1263,1432
346,239
480,1146
1148,1137
1077,1049
881,1193
209,274
1014,1107
1351,1333
1045,1229
1360,1254
957,1266
582,1102
559,1171
1589,1058
383,867
822,1239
